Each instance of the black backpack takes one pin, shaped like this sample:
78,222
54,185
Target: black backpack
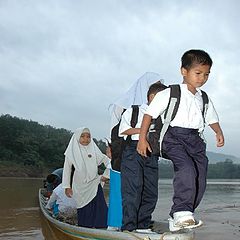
118,143
158,129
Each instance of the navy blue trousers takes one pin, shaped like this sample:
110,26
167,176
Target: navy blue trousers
139,187
94,214
187,150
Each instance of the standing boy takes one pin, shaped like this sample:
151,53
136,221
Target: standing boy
139,175
182,142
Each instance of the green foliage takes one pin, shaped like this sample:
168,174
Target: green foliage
226,169
27,143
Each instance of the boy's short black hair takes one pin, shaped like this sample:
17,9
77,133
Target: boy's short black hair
51,178
195,56
155,88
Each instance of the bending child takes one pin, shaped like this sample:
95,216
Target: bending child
182,142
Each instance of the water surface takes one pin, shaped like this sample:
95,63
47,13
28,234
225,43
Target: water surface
20,217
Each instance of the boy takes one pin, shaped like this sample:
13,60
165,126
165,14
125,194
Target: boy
139,175
182,142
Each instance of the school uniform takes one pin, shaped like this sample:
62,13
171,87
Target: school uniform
86,185
183,143
139,179
136,95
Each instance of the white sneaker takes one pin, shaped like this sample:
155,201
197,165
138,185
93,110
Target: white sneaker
174,228
183,219
147,230
109,228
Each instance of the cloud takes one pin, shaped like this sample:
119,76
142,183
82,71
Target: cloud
63,62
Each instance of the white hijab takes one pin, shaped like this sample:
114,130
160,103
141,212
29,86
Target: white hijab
136,95
84,158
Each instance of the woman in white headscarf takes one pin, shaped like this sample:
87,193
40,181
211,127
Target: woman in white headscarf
84,155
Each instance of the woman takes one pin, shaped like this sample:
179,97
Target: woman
84,155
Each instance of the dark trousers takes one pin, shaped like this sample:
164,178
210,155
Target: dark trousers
187,150
94,214
139,187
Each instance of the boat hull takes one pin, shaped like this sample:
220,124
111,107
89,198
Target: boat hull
76,232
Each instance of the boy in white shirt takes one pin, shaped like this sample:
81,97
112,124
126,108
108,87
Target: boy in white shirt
139,175
182,142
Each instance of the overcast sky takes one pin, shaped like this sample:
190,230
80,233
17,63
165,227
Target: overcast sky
63,62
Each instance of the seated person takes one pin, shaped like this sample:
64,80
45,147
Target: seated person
62,206
53,180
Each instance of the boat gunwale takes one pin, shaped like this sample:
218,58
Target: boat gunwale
103,234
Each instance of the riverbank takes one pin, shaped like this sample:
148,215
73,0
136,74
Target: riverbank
24,171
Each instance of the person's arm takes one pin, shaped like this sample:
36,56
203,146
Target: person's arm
212,120
66,177
125,127
106,174
51,200
143,145
131,131
219,134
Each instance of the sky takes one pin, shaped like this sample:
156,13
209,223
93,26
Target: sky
62,62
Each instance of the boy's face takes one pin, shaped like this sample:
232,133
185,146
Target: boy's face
85,139
196,76
151,97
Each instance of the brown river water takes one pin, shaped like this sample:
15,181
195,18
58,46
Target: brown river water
21,219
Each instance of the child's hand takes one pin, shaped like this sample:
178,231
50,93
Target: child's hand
109,152
219,139
104,179
68,192
142,147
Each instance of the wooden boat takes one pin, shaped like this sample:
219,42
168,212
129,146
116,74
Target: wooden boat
76,232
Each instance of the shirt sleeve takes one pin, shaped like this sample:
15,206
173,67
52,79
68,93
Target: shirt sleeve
67,168
211,114
106,161
159,103
51,200
125,123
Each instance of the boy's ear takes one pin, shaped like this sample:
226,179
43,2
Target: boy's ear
183,71
151,97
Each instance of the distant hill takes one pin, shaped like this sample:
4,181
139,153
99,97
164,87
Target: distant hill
29,149
216,158
221,166
219,157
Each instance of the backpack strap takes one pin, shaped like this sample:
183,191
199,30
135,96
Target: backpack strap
134,119
205,104
171,111
135,113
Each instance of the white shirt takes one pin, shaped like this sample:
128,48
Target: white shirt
61,199
125,123
189,114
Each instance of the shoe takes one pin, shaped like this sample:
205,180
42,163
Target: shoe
109,228
174,228
183,219
142,230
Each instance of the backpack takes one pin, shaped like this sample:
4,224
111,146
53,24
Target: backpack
158,129
118,143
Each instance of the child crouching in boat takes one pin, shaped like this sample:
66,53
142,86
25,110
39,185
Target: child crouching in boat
63,207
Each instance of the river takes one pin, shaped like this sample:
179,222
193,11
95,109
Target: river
20,217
